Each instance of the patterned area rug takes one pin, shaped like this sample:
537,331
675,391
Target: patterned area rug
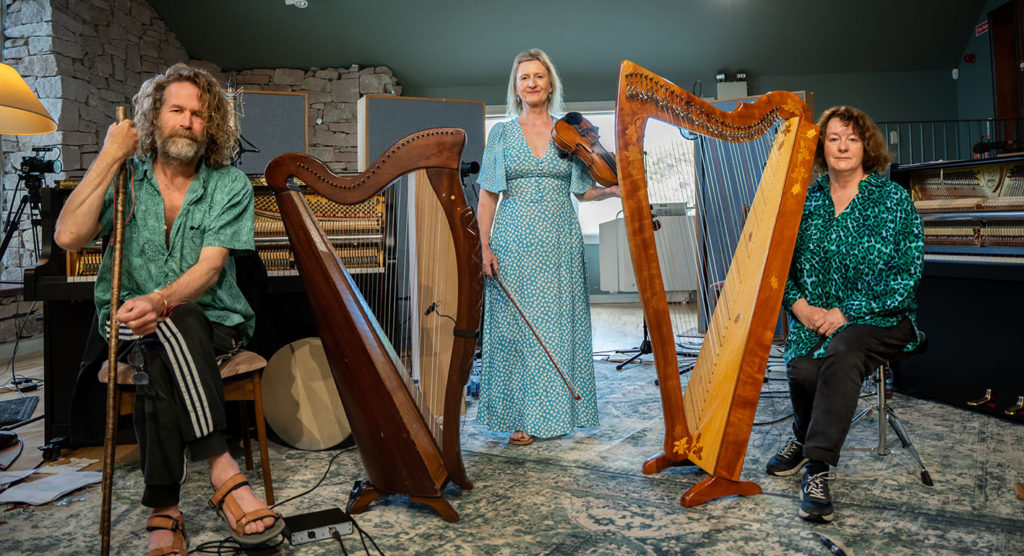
584,493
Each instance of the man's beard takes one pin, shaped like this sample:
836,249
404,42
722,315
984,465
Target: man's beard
180,146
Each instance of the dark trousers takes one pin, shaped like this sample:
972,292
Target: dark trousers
825,391
182,405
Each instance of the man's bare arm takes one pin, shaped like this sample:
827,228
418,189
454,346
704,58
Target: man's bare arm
142,313
78,222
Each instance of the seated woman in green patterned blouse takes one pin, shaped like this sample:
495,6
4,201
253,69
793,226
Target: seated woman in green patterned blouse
850,295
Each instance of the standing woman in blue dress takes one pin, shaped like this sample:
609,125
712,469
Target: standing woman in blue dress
532,241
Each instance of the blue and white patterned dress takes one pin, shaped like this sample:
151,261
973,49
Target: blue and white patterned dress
537,240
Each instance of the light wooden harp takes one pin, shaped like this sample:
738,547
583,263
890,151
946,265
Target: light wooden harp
709,424
405,446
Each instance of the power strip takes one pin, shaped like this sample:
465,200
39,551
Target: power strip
316,526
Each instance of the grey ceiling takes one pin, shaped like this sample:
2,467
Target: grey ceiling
463,48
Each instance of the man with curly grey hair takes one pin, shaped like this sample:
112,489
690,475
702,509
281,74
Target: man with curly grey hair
189,213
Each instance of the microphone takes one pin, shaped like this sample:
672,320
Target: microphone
467,168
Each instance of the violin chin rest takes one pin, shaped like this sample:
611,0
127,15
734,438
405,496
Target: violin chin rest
573,118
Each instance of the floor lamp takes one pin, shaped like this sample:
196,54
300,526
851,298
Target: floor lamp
21,113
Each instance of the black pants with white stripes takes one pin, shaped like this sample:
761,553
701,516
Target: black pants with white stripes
182,406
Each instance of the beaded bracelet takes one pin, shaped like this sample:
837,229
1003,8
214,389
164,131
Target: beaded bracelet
164,299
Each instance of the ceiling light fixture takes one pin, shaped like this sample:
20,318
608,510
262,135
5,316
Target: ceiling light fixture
296,3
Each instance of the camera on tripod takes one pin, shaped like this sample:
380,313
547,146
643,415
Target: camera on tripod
30,173
36,166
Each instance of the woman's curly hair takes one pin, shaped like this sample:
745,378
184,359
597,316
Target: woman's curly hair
876,155
221,136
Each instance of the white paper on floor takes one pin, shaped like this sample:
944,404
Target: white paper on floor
50,488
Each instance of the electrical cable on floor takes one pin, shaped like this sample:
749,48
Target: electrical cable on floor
337,537
231,547
14,352
362,532
774,422
318,483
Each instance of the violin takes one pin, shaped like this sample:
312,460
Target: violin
575,136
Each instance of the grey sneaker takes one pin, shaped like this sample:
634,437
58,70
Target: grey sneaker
788,460
816,502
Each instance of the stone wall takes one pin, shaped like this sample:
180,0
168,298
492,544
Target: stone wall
84,57
332,94
81,59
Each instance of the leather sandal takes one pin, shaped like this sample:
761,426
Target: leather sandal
521,440
175,525
224,495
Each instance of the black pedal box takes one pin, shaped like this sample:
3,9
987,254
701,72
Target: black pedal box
316,526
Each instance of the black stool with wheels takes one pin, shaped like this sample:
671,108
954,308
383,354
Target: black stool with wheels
886,413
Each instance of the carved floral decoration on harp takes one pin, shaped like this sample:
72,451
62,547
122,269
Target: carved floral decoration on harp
684,447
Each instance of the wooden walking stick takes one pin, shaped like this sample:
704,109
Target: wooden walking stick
110,436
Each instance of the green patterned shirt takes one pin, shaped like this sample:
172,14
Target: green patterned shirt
217,212
867,261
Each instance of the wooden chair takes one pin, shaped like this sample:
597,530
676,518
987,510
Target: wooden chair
241,375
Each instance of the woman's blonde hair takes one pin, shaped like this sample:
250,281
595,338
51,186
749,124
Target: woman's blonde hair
221,136
514,104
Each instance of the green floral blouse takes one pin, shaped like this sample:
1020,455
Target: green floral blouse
867,261
217,211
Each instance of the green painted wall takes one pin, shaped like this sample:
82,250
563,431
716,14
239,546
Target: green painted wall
921,95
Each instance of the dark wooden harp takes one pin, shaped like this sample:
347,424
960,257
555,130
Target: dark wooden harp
709,425
403,451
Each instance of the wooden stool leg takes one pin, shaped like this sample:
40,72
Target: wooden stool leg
261,437
246,445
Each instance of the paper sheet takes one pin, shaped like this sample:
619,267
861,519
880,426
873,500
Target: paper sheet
50,488
73,464
7,477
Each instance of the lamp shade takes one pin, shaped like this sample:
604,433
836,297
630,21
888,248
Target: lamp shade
21,113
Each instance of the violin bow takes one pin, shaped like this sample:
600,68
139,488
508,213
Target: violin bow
110,433
568,385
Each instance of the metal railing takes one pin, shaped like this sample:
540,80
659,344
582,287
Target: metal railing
929,141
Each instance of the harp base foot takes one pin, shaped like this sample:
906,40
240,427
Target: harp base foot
440,505
661,462
716,487
461,480
363,494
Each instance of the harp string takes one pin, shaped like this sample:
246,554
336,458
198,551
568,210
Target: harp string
741,181
391,294
719,179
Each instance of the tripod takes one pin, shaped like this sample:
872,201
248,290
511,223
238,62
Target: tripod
11,225
31,196
644,349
